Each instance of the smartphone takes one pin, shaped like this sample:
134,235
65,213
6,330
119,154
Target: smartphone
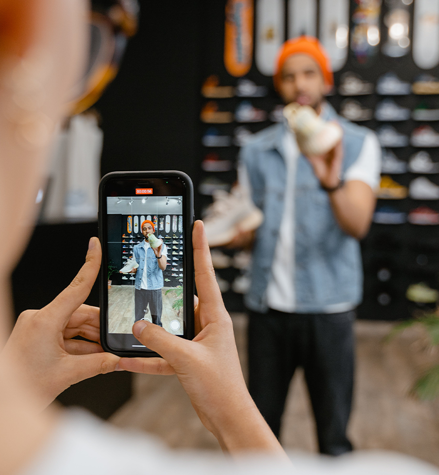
145,228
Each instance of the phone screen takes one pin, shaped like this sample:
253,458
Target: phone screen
145,230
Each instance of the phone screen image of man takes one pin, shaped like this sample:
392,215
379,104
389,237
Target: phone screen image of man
145,262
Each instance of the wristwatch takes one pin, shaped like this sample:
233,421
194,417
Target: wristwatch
158,257
334,188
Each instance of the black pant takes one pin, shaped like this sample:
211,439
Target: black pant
153,298
323,345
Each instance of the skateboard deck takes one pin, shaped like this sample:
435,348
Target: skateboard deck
269,34
334,30
154,220
302,18
238,40
142,218
148,217
180,224
129,224
397,21
426,34
167,224
365,34
174,224
161,224
136,224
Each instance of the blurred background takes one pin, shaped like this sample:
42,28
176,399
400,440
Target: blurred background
152,116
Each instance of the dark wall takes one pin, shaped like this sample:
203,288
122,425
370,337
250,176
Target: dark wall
149,121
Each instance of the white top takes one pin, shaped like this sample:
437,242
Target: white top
81,444
144,284
281,289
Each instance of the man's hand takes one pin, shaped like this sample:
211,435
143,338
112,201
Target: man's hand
42,341
327,168
208,366
158,250
243,240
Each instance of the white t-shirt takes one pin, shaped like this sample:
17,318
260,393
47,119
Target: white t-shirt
281,289
144,284
81,444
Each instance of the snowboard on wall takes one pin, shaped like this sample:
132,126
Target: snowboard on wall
365,34
269,34
426,33
334,30
238,40
302,18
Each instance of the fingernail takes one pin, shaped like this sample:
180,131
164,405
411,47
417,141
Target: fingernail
118,368
139,327
91,244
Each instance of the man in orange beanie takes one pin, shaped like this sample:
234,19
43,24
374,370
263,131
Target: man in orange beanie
306,277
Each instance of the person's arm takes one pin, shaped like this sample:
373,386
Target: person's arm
353,202
208,366
161,258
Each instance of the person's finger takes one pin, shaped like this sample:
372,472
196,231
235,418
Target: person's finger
207,286
145,365
86,331
75,294
82,367
196,300
81,347
85,315
157,339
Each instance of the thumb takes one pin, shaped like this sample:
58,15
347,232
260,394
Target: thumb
87,366
159,340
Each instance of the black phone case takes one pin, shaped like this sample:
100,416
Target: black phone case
188,218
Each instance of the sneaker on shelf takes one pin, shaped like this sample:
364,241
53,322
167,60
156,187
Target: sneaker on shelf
212,90
223,285
314,135
423,112
423,216
242,260
421,162
174,247
211,114
212,138
174,274
167,280
228,215
353,85
247,88
390,190
389,110
390,85
277,114
212,163
388,136
132,278
423,189
392,164
354,111
209,185
424,136
245,112
241,284
124,277
389,215
426,84
421,293
242,136
180,280
220,260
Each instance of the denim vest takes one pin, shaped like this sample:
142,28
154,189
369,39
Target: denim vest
154,275
328,267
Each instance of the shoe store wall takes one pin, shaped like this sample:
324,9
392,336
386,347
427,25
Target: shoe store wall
149,119
380,52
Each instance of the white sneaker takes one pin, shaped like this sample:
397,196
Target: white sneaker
229,214
223,285
242,260
421,162
425,136
241,284
392,164
314,135
388,136
129,266
220,260
423,189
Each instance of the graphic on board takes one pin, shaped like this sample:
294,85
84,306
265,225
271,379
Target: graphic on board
302,18
129,224
161,224
334,30
154,220
238,41
167,224
136,224
426,34
269,34
365,34
397,21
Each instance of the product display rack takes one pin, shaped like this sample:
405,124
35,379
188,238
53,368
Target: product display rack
395,256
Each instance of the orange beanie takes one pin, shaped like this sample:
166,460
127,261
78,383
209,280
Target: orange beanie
148,221
304,45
